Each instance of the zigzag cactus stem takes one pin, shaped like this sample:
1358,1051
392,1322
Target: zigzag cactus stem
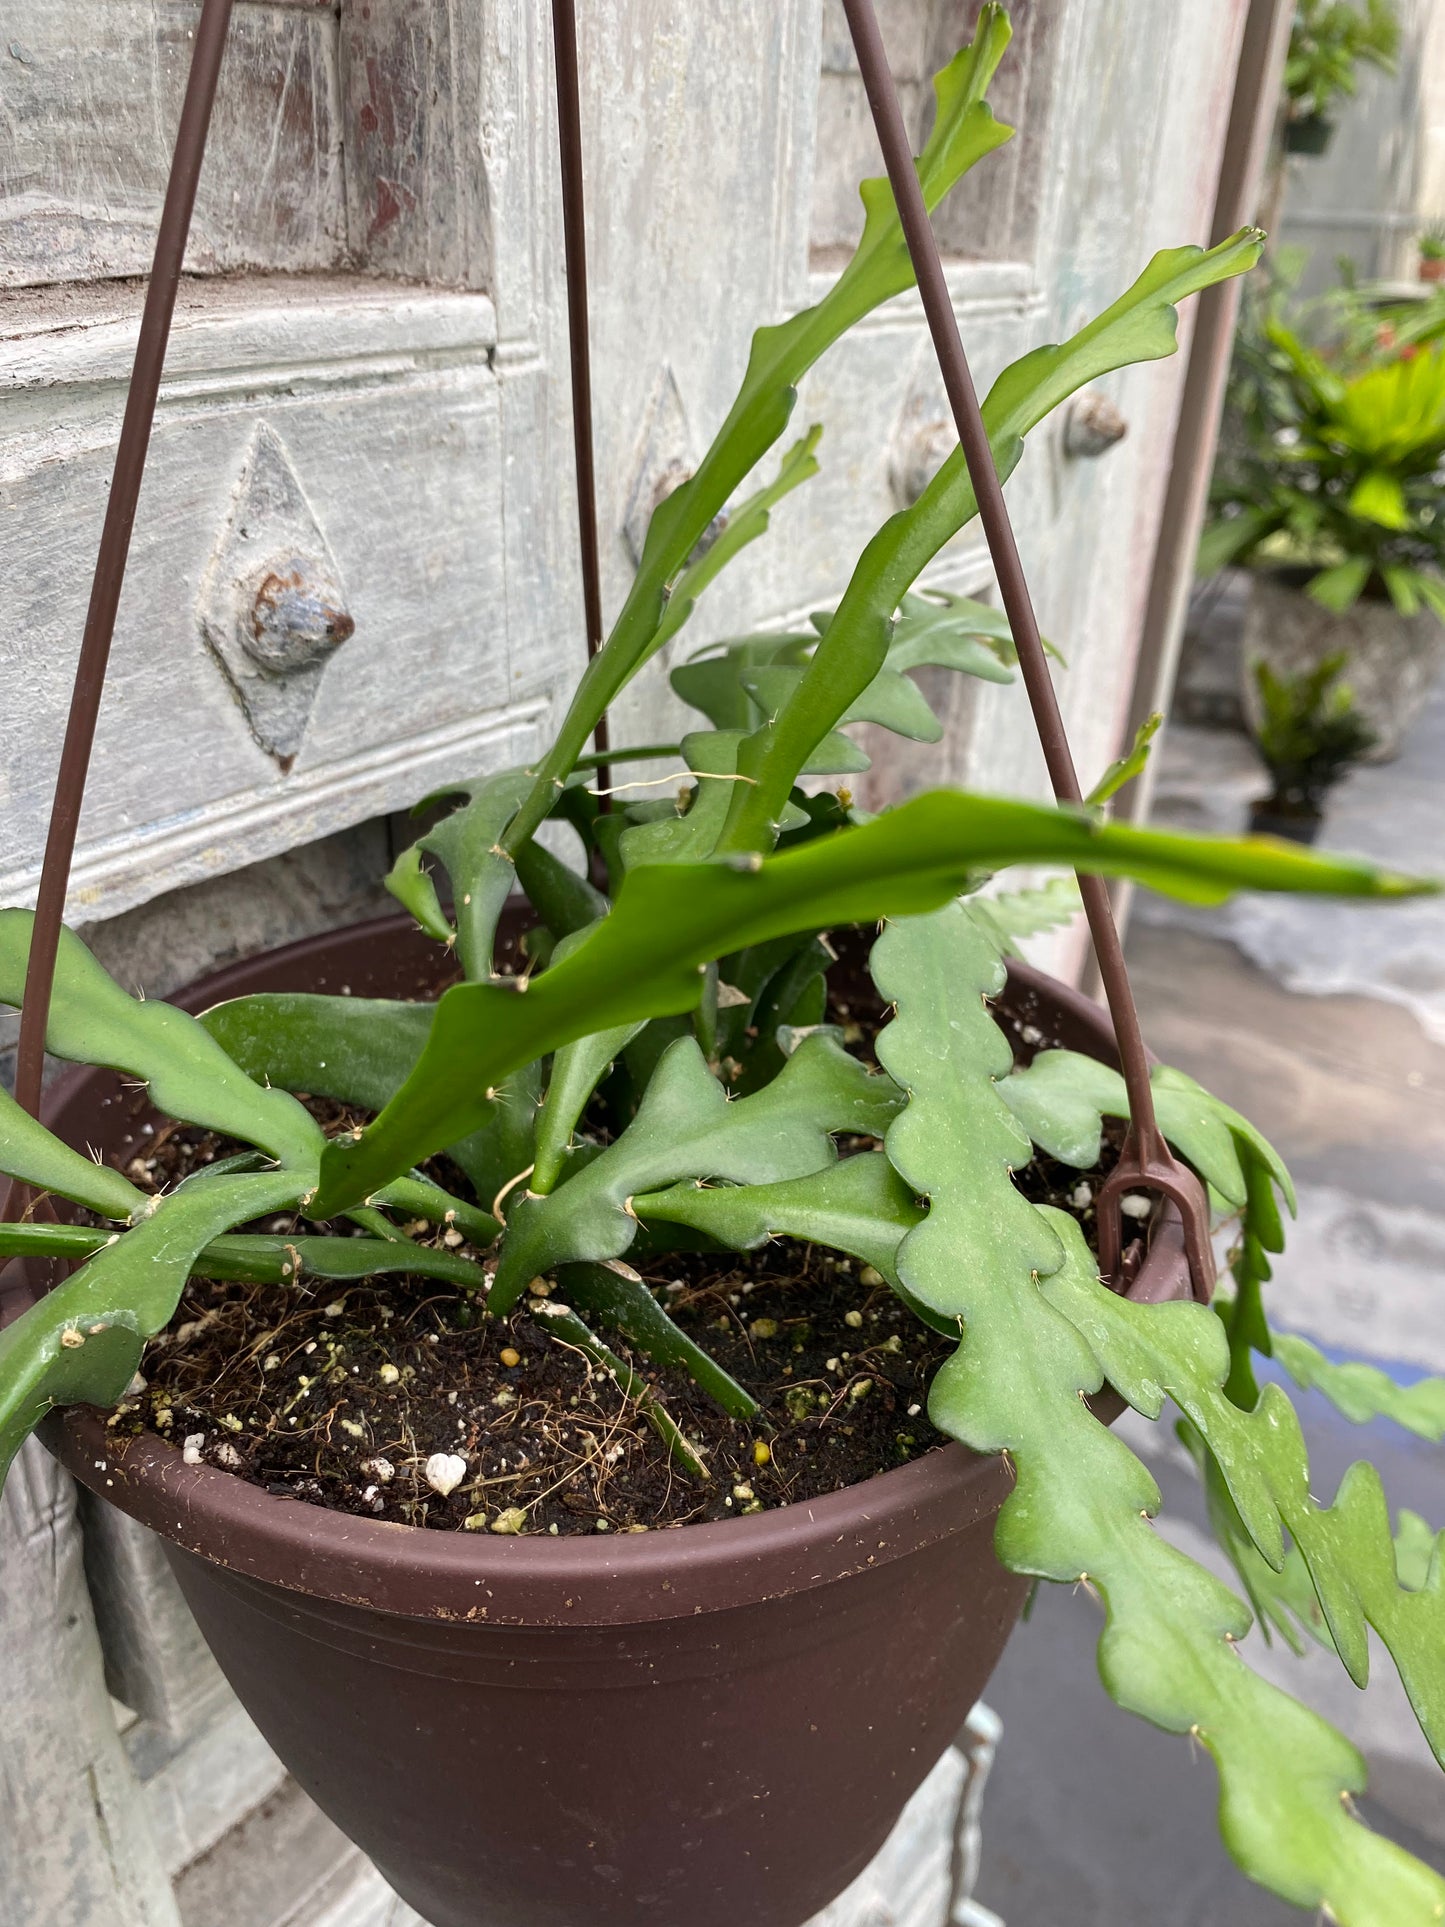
1146,1163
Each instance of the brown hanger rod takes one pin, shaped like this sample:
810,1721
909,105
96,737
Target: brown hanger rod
1146,1161
574,233
130,457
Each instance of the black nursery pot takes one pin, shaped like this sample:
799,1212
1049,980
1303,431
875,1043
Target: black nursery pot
1271,818
1310,134
716,1725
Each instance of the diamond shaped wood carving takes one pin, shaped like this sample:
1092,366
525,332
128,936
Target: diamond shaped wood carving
272,609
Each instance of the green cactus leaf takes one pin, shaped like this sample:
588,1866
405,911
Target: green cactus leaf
34,1155
466,844
947,963
860,1206
1125,768
686,1127
1011,915
82,1342
743,684
577,1069
1183,1354
1363,1392
418,1197
891,700
93,1021
1062,1098
964,131
561,896
359,1050
713,680
1140,326
742,525
249,1258
648,957
712,757
615,1296
560,1321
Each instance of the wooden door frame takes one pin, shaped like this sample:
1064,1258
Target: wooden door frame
1253,114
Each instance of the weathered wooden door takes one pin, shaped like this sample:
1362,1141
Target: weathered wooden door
366,402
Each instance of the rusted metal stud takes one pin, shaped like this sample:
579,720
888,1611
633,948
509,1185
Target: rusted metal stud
272,609
921,446
295,621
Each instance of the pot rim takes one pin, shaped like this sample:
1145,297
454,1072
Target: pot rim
534,1579
579,1580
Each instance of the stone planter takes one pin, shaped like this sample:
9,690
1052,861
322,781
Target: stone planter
1391,660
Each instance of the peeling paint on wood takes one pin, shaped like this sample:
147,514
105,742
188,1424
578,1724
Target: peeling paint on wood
89,114
416,181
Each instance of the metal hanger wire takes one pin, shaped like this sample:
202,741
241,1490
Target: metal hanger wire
574,233
115,535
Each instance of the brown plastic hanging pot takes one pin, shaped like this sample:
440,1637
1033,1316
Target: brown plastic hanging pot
713,1725
716,1725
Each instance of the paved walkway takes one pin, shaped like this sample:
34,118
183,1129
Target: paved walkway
1325,1023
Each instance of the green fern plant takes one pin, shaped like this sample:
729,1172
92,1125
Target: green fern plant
1310,734
693,953
1334,460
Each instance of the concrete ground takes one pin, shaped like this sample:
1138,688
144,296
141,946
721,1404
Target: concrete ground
1325,1023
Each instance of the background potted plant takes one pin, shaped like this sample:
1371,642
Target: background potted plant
1432,253
1327,487
1328,43
481,1298
1309,736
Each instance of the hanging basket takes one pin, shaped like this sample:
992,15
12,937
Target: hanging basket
715,1724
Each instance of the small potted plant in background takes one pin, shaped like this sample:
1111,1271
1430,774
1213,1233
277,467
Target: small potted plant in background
1329,41
607,1419
1309,736
1328,488
1432,253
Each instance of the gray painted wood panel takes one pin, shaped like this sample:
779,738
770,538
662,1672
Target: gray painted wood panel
88,99
389,418
156,1662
